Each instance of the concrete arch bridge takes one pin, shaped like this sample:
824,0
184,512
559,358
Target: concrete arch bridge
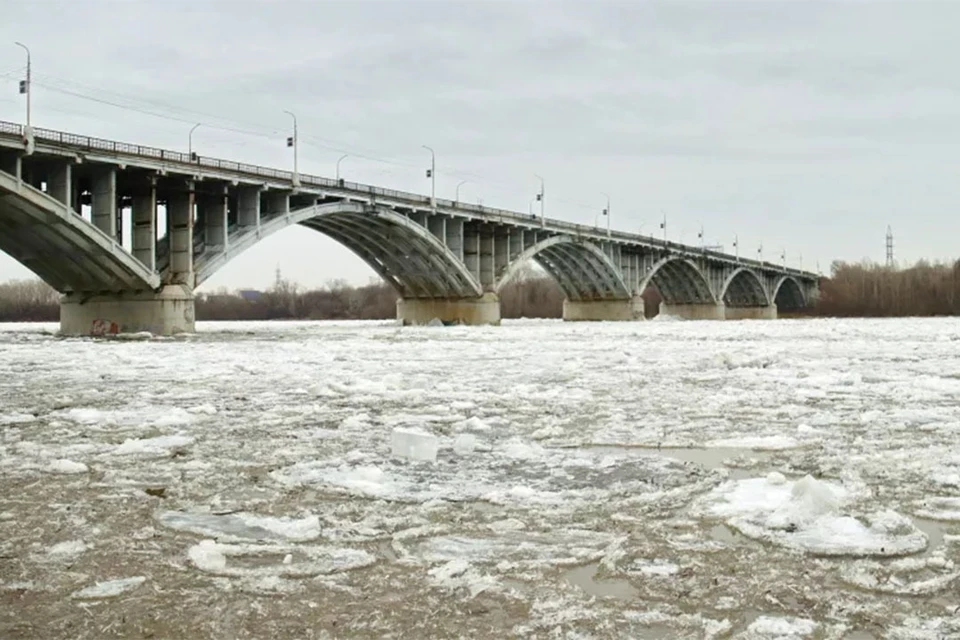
446,260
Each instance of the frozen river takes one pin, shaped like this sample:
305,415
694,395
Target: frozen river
788,479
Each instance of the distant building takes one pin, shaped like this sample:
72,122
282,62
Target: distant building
250,295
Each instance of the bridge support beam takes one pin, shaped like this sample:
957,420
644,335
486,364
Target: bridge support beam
470,311
162,313
707,311
768,312
609,310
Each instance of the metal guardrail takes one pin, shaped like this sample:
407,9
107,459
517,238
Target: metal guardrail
86,143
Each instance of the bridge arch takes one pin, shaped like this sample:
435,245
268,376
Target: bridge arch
581,268
744,288
788,294
61,247
679,281
406,255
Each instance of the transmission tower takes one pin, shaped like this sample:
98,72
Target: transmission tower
889,246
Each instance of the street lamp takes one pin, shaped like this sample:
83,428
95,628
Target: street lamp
339,160
606,212
760,253
663,225
190,140
460,184
543,221
292,142
432,174
736,245
25,85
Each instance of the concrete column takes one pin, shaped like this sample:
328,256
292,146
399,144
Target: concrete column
471,248
248,207
144,219
274,203
609,310
469,311
768,312
166,312
180,222
104,201
10,162
501,253
59,183
213,214
708,311
454,231
437,225
487,248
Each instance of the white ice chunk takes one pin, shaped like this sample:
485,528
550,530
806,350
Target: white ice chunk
66,467
66,550
413,445
206,555
109,589
243,527
160,444
805,515
464,444
781,628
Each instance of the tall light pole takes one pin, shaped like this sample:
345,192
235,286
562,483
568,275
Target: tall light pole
432,174
760,253
783,256
663,225
26,84
460,184
736,245
190,140
606,212
703,244
543,220
292,142
339,160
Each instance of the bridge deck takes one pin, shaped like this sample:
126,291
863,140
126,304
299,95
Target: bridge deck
51,142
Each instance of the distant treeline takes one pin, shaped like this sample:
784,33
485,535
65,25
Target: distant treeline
852,290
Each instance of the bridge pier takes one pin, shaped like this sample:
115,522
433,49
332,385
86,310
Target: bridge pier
608,310
470,311
162,313
706,311
768,312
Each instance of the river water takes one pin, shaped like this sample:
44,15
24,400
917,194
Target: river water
654,480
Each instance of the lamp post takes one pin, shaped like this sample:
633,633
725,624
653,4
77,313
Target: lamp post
606,212
663,225
736,245
190,140
292,142
460,184
543,220
25,85
339,160
432,174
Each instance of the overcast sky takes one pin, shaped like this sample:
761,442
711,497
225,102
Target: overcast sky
804,126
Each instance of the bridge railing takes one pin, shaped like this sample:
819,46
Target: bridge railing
123,148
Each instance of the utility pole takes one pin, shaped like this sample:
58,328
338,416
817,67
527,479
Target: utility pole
432,174
25,85
339,160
